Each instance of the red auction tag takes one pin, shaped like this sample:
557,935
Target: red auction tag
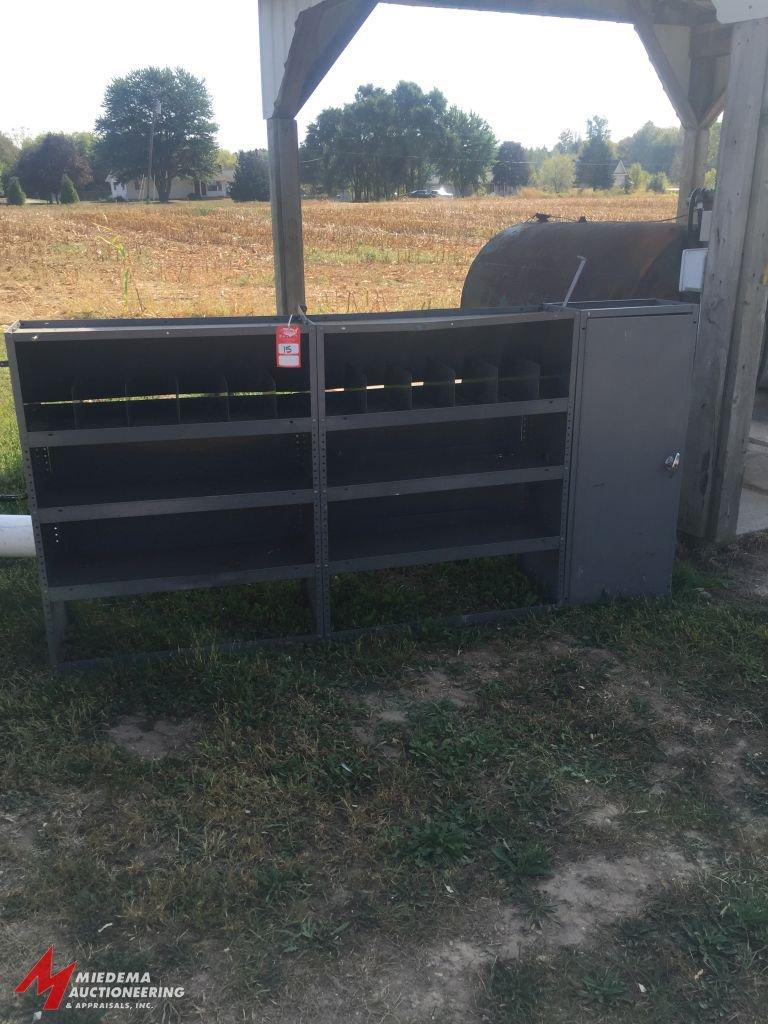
288,346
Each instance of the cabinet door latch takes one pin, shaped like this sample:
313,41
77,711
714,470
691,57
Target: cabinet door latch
672,463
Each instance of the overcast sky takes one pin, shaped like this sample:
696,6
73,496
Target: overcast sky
528,77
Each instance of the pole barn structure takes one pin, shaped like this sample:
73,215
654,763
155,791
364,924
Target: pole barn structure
712,58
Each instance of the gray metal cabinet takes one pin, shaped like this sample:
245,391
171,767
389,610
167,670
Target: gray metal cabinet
631,413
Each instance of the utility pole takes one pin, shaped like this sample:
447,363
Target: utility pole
156,110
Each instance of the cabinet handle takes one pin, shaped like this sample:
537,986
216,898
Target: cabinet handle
672,463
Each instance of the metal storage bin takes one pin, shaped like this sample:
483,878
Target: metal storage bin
170,455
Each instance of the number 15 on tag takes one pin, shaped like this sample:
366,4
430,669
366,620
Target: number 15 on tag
288,347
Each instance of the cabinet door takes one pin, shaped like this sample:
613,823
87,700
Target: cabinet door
632,412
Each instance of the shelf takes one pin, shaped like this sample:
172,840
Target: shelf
174,506
170,432
171,552
200,474
459,482
457,413
390,557
121,586
471,522
180,567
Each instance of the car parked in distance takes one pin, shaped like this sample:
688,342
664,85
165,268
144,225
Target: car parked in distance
430,193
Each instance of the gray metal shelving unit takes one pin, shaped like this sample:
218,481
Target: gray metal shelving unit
165,455
173,455
445,437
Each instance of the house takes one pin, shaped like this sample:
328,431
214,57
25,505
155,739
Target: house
620,175
216,187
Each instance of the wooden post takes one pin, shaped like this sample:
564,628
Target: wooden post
745,350
694,163
728,340
285,194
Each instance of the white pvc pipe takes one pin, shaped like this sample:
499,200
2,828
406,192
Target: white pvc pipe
16,538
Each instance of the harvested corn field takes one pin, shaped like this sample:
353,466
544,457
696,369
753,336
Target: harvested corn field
215,259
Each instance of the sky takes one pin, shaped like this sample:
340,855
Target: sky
529,77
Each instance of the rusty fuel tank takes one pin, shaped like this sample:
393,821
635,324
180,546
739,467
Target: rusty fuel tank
535,262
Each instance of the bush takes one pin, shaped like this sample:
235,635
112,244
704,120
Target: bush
658,182
68,192
15,195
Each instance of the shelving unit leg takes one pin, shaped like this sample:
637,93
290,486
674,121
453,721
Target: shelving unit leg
56,617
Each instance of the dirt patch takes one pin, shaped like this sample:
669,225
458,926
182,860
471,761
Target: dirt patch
732,780
486,662
390,709
153,741
603,817
436,686
383,710
597,891
440,982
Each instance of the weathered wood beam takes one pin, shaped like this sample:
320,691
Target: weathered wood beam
707,508
708,82
714,109
713,40
745,350
683,12
670,56
694,84
692,165
285,197
321,34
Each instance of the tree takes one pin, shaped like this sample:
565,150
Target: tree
657,149
385,143
568,142
251,180
556,174
381,144
9,154
658,182
67,191
511,170
597,160
420,131
225,159
320,160
536,158
714,145
15,193
89,146
467,152
184,142
43,163
638,178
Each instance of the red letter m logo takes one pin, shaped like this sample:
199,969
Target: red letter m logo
42,974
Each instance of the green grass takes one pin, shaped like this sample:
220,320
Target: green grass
699,954
423,593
